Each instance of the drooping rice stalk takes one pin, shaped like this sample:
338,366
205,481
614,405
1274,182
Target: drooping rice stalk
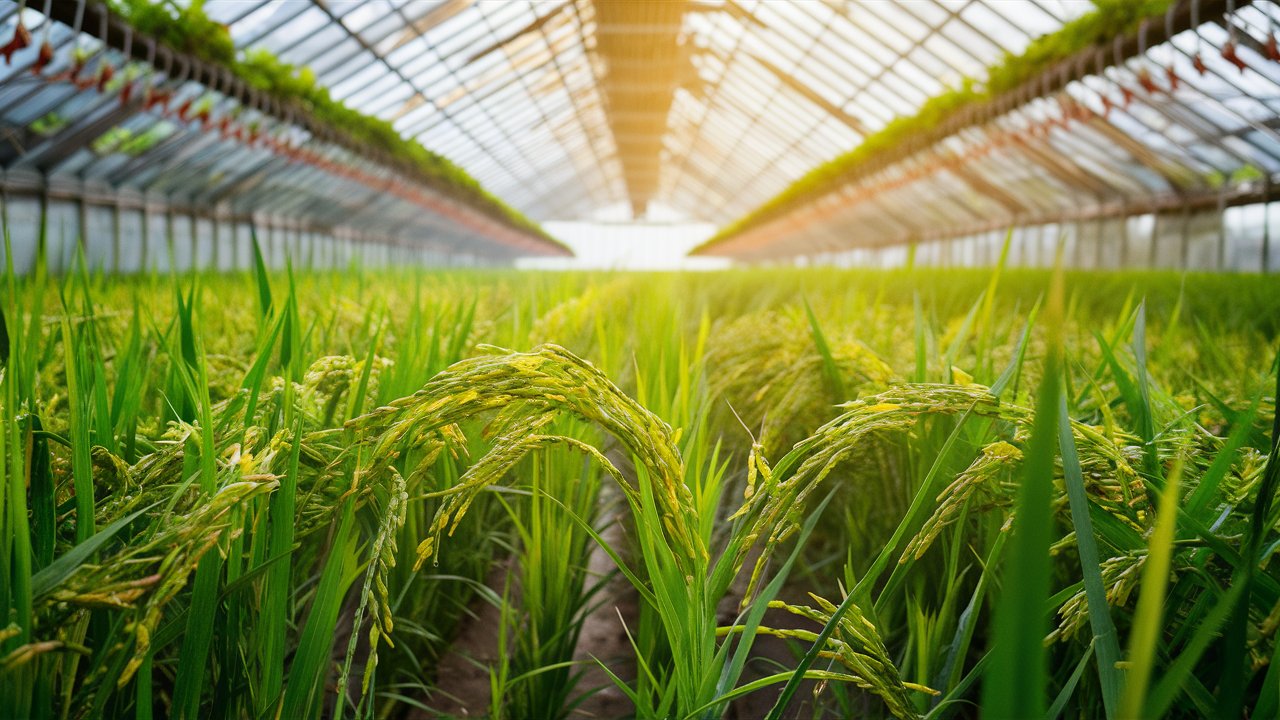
314,437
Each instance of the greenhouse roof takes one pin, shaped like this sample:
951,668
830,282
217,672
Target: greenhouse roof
594,108
698,110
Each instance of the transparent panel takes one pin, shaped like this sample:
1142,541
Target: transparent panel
132,253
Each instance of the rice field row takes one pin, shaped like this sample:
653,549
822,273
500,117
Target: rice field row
821,494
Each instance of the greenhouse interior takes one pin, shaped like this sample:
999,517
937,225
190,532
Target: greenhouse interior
653,359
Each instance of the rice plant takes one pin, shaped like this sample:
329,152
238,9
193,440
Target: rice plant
281,494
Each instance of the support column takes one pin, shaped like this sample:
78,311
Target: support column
215,229
1155,236
1266,225
1124,241
194,229
1222,232
116,240
1099,228
145,238
170,237
1186,238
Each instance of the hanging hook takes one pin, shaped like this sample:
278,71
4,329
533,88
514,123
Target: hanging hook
255,127
193,70
199,101
21,36
185,73
235,94
1039,125
78,25
1125,91
281,139
77,59
285,113
126,90
105,70
1197,60
1100,67
215,79
1170,71
992,123
1230,51
1144,71
48,17
242,92
156,93
230,86
104,24
206,112
148,92
1082,111
45,53
184,70
1062,97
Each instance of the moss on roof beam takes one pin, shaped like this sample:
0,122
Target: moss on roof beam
1047,65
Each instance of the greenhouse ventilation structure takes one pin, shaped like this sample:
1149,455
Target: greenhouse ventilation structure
654,359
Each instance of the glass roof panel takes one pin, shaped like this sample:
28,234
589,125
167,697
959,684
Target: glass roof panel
558,106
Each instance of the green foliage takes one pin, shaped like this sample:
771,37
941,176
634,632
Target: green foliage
1016,686
182,26
1107,20
127,142
49,124
221,505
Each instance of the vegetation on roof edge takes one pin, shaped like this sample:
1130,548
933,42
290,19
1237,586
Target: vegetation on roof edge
190,30
1108,19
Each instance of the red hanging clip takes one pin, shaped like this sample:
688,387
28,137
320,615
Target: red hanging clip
1065,114
43,58
1198,62
1172,76
158,97
1230,55
1271,50
21,39
1144,79
105,73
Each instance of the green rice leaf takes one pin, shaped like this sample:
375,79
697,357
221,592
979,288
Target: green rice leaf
57,572
1149,616
1016,684
1105,641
